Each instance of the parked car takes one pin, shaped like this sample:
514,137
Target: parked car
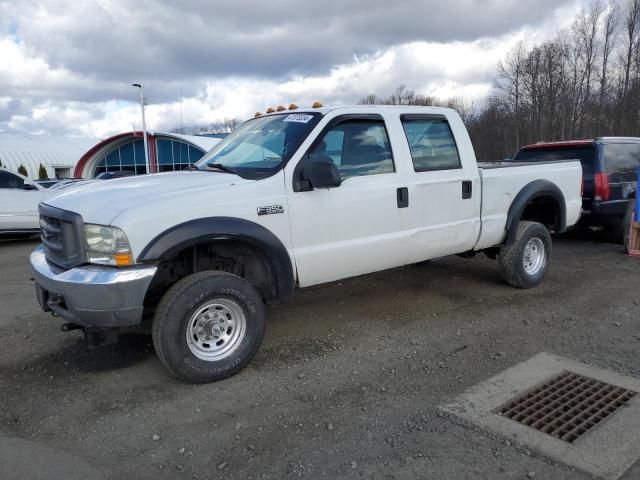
69,182
47,182
290,199
609,166
115,174
19,199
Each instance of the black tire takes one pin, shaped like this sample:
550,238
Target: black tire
616,228
512,257
626,226
187,298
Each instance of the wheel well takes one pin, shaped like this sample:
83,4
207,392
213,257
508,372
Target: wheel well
232,256
544,210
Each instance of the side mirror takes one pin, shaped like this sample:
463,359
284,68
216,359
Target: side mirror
323,174
28,186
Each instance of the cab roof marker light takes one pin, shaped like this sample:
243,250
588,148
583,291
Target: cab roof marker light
316,105
270,110
280,108
293,106
258,114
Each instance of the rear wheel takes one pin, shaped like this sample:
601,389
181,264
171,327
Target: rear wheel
524,263
208,326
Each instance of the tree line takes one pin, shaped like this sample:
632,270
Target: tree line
584,82
226,125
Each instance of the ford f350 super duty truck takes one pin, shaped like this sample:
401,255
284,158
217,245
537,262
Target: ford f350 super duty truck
291,199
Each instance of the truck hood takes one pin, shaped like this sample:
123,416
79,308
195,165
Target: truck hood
101,202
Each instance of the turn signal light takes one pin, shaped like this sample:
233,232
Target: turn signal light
292,106
123,259
316,105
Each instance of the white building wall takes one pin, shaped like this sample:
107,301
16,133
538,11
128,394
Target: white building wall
51,151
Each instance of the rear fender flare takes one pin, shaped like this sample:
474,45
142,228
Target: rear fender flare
531,191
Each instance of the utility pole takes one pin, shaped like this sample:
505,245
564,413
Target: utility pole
143,101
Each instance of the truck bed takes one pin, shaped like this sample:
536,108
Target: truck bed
502,181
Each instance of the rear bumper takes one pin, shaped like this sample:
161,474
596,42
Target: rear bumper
600,211
92,295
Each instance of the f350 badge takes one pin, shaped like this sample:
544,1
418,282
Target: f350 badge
270,210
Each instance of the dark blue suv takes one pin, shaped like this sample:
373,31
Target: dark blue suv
609,166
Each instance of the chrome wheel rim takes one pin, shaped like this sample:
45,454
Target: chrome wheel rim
216,329
535,257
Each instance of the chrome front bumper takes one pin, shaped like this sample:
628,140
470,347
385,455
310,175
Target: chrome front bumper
92,295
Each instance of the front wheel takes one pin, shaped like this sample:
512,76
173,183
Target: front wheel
208,326
524,263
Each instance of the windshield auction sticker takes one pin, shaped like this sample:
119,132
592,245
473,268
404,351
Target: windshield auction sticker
298,118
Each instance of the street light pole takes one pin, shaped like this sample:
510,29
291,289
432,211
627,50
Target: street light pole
144,124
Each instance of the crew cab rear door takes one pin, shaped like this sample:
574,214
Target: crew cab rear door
360,226
444,186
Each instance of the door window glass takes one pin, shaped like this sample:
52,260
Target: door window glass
9,180
431,143
357,147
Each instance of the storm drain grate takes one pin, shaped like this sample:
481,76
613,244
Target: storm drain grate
567,406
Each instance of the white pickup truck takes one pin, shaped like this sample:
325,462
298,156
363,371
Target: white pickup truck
291,199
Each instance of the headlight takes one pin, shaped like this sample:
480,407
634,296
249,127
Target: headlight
107,245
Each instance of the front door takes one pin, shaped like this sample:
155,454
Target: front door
360,226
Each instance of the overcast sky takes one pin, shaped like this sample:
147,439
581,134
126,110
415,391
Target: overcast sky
66,66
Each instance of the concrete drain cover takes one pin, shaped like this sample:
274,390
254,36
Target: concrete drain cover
583,416
567,406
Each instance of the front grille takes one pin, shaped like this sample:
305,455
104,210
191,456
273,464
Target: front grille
61,234
567,406
51,234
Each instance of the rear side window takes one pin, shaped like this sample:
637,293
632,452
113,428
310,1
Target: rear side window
431,143
621,157
586,154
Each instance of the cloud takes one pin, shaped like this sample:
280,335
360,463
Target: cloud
69,69
190,38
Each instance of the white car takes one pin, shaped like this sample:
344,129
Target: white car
290,199
19,199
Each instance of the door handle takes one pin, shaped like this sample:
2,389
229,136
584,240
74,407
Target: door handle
402,195
467,189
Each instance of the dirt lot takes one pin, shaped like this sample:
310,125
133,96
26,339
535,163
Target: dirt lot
346,384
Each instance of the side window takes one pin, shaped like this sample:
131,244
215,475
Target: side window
621,157
431,143
9,180
357,147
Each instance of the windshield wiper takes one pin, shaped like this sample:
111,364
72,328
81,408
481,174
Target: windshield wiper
223,168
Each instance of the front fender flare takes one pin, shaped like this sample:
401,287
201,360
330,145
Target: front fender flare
205,230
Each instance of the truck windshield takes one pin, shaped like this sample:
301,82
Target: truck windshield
260,147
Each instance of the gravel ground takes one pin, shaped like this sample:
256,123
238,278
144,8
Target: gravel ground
346,384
